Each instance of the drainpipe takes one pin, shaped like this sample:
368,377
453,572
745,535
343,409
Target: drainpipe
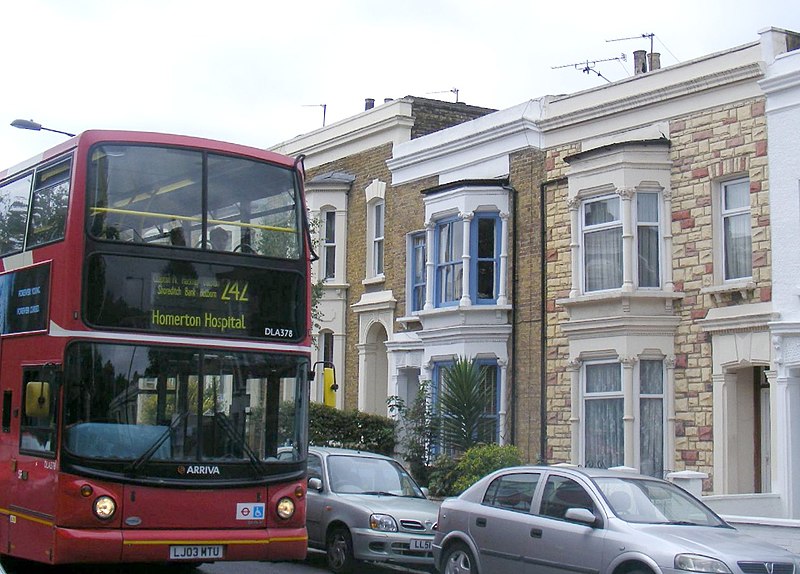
513,366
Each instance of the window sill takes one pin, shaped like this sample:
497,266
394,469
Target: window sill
613,295
740,287
377,280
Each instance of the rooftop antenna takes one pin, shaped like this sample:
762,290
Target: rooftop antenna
650,63
588,66
649,35
324,110
450,91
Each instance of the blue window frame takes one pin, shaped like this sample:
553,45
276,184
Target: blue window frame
417,271
485,250
449,264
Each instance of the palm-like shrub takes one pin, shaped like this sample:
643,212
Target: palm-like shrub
464,397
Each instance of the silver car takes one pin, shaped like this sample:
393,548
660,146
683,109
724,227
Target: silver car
364,506
566,520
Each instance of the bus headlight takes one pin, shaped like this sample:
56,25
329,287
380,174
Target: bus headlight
285,508
104,507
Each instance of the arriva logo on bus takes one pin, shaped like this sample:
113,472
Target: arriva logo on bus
198,469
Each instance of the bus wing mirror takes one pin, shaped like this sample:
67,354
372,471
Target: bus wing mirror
330,386
37,399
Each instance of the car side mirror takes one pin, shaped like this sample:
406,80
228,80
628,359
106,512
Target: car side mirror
426,491
315,483
581,515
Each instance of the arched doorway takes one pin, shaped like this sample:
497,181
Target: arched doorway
375,369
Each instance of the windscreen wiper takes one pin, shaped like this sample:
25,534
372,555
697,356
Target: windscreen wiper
224,422
148,454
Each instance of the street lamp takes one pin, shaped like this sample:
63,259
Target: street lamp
32,125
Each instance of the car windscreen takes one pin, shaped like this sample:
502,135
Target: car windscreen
655,502
367,475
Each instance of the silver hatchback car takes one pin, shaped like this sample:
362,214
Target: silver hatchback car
364,506
566,520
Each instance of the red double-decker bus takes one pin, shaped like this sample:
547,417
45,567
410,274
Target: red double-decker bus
154,352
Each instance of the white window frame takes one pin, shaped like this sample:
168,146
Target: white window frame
588,229
328,240
586,397
640,225
413,251
375,208
726,214
638,411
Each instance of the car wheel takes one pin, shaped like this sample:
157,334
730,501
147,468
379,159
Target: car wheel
339,550
458,559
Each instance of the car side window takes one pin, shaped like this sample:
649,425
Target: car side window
512,491
561,494
314,466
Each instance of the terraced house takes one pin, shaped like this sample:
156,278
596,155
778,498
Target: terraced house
610,254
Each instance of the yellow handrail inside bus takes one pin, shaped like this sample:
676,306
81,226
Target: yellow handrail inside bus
96,210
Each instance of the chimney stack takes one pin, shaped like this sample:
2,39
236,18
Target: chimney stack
655,61
369,103
640,62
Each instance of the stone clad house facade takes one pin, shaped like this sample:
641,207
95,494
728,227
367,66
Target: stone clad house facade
611,255
658,276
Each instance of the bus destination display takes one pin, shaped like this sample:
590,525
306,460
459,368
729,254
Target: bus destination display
194,298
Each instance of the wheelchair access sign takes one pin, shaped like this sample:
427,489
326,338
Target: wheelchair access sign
250,511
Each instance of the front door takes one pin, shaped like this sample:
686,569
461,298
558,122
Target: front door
32,501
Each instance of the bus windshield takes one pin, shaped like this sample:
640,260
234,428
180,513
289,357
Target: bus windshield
193,199
141,405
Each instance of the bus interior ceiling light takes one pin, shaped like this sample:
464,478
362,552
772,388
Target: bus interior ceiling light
32,125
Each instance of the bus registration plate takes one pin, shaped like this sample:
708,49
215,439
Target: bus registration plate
196,552
420,544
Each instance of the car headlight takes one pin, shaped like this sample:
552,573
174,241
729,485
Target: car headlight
382,522
104,507
698,563
285,508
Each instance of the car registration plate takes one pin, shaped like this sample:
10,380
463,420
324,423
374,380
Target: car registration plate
420,544
196,552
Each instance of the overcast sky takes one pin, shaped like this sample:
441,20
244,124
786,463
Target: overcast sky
257,72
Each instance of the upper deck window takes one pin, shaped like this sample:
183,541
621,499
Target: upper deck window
192,199
34,205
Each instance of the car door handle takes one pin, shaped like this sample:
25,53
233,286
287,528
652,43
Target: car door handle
480,522
536,532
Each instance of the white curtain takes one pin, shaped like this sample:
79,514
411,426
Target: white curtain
651,418
603,430
738,249
647,239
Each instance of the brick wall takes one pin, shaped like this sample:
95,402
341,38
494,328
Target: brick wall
525,176
433,115
717,144
559,283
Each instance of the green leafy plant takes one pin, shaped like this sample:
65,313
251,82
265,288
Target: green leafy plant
462,406
480,460
328,426
417,430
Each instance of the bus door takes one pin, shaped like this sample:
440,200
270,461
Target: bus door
32,501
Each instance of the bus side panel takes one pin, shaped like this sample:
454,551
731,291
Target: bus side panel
32,508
